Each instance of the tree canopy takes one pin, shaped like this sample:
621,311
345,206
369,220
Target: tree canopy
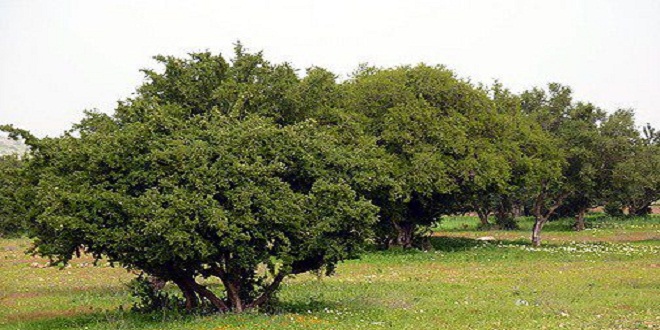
185,181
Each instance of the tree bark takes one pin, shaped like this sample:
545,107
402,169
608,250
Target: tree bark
579,220
232,288
504,215
265,296
188,293
536,231
541,217
210,296
405,233
483,217
518,210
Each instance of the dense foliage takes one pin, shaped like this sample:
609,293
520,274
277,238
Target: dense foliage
449,143
178,185
14,196
243,171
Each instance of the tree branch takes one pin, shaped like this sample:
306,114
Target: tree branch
269,290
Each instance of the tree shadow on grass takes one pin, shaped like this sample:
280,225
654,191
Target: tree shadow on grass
301,307
118,319
127,318
453,244
121,319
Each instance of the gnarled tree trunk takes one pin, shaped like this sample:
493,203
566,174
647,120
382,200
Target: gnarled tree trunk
483,217
579,220
188,293
543,213
210,296
536,230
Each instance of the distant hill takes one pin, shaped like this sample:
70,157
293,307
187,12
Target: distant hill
9,146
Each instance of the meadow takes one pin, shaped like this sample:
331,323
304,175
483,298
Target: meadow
606,277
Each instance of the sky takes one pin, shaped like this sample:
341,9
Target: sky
58,58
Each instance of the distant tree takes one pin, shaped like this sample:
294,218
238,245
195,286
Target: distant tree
635,180
605,160
620,138
441,133
539,180
555,111
526,152
583,142
211,170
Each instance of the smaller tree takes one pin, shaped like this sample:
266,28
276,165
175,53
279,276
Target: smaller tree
636,180
548,184
629,166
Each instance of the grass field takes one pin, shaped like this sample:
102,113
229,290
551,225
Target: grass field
607,277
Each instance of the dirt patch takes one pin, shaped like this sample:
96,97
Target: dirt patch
11,299
655,209
45,314
21,295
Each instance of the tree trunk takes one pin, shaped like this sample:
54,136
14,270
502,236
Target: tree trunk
541,216
210,296
536,231
188,293
483,217
266,295
405,233
579,220
233,290
504,216
637,210
501,214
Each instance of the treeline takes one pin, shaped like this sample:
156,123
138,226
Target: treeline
214,168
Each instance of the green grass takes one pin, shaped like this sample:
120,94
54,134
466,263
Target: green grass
602,278
593,221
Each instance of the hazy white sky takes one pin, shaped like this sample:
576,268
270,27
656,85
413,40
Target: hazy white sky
58,58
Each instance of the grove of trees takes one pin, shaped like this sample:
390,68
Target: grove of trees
246,171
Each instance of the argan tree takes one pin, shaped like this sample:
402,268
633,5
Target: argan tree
441,133
635,181
551,185
211,170
527,155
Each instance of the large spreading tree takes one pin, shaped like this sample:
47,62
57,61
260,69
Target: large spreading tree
211,170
